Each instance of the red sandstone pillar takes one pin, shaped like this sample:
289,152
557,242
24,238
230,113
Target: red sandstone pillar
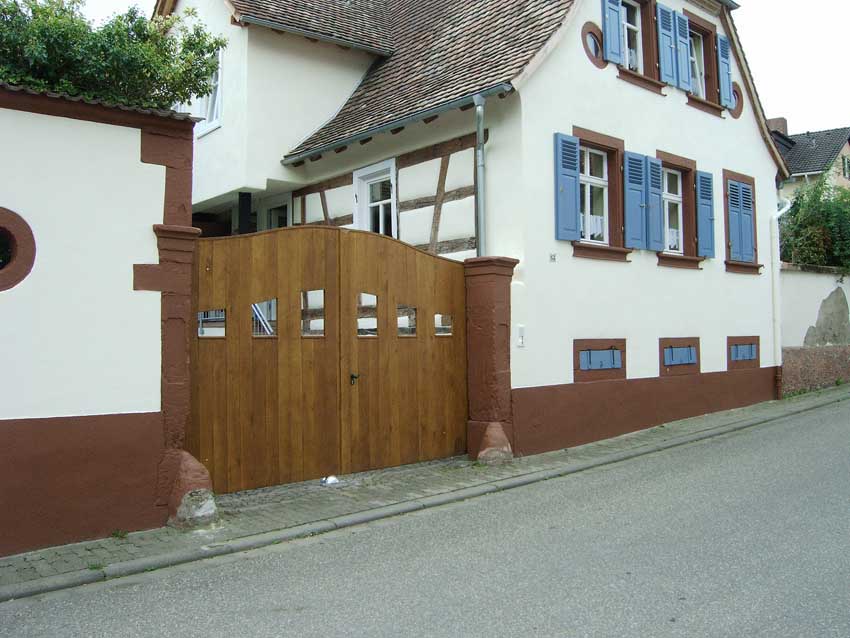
488,346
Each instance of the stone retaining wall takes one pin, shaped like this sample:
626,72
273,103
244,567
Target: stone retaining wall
815,367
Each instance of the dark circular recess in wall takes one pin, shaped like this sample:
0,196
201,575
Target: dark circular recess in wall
738,95
591,39
17,249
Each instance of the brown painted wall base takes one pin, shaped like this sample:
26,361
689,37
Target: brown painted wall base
555,417
815,367
76,478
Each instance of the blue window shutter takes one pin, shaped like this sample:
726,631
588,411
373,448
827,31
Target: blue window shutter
724,71
754,351
584,359
667,45
735,240
692,355
612,31
618,359
635,200
683,51
654,206
705,215
567,215
668,356
734,354
748,252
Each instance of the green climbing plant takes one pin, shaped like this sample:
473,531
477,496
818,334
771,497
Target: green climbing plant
129,60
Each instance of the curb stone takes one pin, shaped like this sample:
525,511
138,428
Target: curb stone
257,541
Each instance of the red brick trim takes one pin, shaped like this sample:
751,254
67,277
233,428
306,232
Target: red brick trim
23,249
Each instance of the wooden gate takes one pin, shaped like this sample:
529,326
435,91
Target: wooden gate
324,351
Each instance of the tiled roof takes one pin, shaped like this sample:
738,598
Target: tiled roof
361,23
444,50
815,152
173,115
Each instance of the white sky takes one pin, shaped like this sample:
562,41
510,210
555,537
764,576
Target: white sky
796,50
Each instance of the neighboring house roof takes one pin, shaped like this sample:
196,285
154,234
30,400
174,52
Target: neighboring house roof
445,50
362,24
172,115
814,152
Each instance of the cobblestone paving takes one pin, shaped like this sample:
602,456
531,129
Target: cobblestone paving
275,508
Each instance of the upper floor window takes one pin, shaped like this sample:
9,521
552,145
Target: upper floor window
845,166
673,205
374,199
698,65
741,246
593,195
632,37
209,107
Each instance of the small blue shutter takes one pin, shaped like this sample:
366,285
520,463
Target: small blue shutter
735,241
683,51
668,356
748,252
724,71
735,354
635,200
567,216
654,206
612,30
754,351
692,355
584,359
666,44
705,215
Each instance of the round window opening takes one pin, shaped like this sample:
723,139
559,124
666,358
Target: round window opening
591,39
17,249
7,248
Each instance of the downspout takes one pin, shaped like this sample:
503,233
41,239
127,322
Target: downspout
775,268
480,230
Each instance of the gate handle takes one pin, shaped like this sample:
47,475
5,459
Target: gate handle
354,378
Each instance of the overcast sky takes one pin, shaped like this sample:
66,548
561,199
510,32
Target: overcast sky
797,52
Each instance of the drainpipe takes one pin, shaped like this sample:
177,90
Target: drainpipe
480,229
775,280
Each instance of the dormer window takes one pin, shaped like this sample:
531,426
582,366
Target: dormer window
632,37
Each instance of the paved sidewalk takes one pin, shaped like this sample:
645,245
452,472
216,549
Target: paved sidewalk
261,517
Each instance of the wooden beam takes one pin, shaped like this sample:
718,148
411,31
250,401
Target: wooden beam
325,185
438,150
450,196
452,245
438,203
325,208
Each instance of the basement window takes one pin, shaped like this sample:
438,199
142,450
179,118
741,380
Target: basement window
312,313
211,323
367,315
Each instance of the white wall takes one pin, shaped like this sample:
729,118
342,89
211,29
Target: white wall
77,340
573,298
802,296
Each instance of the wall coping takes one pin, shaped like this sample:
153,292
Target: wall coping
820,270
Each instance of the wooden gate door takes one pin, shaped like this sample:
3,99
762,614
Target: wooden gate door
299,373
402,354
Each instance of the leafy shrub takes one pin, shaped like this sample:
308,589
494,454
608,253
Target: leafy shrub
129,60
816,231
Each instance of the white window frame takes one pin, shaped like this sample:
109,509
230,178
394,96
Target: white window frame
211,112
697,63
586,180
363,177
668,198
638,30
845,166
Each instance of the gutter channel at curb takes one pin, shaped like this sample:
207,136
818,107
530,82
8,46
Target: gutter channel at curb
264,539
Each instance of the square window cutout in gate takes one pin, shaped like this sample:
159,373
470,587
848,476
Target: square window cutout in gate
211,323
442,325
406,321
367,315
264,318
312,313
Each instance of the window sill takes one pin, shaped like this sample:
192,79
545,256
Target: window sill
704,105
679,261
213,126
743,267
599,251
642,81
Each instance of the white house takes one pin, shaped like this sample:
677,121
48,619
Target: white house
624,160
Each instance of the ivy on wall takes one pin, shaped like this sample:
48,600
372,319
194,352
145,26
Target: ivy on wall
816,231
129,60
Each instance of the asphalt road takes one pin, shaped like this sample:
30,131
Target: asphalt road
744,535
